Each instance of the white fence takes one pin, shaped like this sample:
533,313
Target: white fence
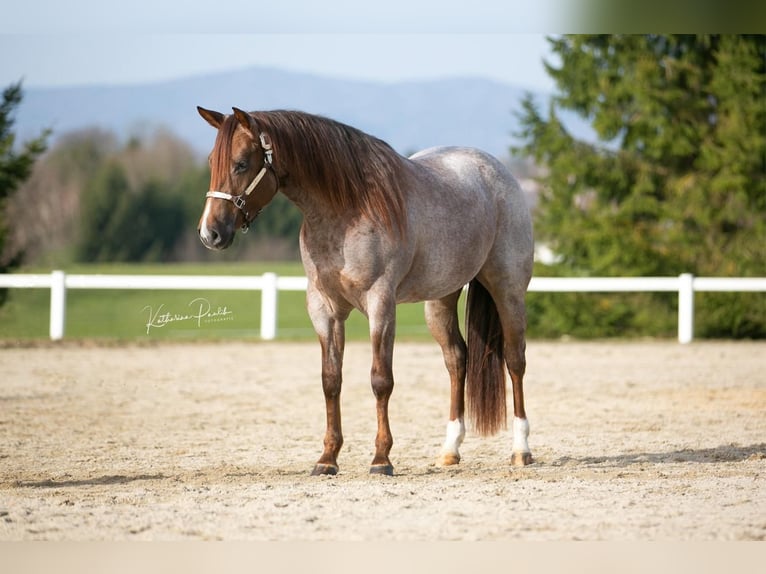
270,284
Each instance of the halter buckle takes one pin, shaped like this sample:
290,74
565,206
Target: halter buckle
266,145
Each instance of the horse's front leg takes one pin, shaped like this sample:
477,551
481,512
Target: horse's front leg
331,331
382,316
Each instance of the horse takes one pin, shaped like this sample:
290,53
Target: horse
380,229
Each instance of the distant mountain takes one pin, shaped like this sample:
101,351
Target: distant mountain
409,115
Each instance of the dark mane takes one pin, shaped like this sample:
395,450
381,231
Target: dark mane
351,169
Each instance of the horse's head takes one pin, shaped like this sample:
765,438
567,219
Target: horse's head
240,159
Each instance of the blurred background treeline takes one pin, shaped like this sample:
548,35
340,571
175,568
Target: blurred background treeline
673,181
93,198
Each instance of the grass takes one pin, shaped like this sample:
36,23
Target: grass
124,314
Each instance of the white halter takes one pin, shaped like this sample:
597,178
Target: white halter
240,200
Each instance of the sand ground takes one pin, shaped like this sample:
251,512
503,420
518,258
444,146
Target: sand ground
632,441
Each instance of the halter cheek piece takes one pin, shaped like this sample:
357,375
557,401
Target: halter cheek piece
240,200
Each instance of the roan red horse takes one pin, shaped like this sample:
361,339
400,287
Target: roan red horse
380,229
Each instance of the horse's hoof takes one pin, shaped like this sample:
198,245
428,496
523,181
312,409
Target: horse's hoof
521,458
449,459
321,469
385,469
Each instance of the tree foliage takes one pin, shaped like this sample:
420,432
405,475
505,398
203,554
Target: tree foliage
94,198
132,207
51,196
15,165
676,181
144,202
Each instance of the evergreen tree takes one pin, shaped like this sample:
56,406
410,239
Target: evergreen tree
104,200
119,223
677,180
15,165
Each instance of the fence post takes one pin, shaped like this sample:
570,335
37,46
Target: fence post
269,307
685,308
58,305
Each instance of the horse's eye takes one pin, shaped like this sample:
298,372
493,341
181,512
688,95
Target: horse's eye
240,166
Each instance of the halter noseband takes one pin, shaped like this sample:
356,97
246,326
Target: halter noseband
240,200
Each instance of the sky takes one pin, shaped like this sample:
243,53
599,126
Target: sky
87,42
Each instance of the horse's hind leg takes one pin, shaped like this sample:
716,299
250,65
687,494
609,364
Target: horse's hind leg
514,320
508,296
515,350
442,320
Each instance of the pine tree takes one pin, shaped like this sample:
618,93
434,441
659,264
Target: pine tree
15,167
677,179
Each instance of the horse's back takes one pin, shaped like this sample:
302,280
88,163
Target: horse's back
480,177
475,172
464,209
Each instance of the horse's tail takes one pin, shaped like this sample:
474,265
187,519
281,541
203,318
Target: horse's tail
485,362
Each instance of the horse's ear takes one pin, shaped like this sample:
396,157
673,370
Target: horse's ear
215,119
246,121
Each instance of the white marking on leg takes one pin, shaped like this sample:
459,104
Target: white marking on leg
455,436
520,434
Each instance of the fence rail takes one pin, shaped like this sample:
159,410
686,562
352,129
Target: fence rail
270,284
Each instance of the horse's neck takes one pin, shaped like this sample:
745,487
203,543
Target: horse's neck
314,207
323,230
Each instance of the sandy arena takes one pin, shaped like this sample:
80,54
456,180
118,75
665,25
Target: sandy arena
632,441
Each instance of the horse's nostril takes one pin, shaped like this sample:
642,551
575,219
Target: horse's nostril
210,237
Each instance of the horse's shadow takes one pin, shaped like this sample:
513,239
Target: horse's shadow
718,454
207,474
95,481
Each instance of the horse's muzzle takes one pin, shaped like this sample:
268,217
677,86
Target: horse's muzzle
216,236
